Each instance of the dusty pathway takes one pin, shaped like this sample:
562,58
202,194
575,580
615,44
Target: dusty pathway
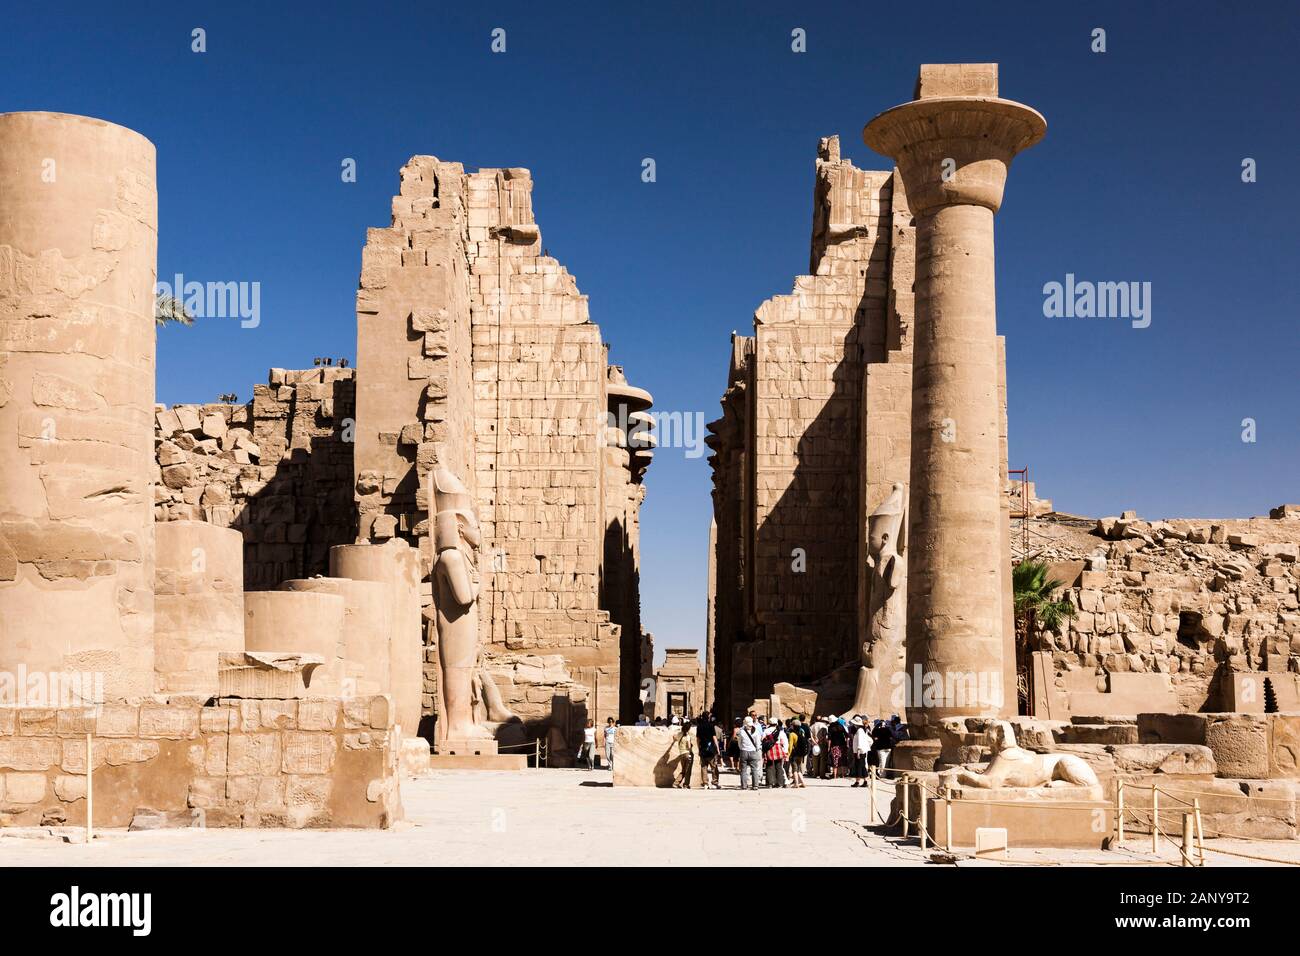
558,817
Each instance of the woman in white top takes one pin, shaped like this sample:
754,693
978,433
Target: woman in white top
861,744
588,750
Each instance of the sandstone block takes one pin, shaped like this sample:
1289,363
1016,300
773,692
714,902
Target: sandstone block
307,753
176,723
1239,742
30,753
24,787
265,674
253,755
644,757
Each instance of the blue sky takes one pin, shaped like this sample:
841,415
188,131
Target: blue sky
1139,178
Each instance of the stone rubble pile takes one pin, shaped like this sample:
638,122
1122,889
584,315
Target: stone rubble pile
1180,597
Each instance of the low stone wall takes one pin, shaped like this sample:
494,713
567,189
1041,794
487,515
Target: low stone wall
318,762
1245,746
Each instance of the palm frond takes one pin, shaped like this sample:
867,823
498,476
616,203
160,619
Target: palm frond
168,309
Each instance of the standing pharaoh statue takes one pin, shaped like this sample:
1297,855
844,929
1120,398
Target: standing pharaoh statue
455,596
885,647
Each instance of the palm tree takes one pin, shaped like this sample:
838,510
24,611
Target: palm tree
1036,611
168,309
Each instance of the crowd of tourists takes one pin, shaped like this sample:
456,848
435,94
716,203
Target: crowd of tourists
764,751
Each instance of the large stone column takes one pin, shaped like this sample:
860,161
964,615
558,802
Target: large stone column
367,630
78,260
299,622
397,565
198,603
953,145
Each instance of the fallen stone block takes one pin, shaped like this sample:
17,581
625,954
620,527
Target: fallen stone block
263,674
644,757
147,818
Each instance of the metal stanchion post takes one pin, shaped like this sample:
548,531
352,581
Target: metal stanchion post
1155,820
1200,833
948,820
924,818
871,795
90,790
906,784
1119,811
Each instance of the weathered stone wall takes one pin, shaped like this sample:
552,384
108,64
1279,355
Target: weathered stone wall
809,351
415,395
731,441
275,763
680,673
278,469
629,447
475,350
540,407
1198,600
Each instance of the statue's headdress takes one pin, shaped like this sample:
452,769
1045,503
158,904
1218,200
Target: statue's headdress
453,509
892,511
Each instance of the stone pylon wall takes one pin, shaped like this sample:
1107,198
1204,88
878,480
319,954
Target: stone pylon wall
78,260
475,350
540,406
414,397
731,441
810,350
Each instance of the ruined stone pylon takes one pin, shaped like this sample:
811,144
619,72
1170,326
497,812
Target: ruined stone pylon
953,144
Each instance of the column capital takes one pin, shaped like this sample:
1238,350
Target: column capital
954,150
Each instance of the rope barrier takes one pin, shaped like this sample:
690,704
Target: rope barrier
1230,796
1249,856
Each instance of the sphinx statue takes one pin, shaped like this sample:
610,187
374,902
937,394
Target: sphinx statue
455,598
883,651
1013,766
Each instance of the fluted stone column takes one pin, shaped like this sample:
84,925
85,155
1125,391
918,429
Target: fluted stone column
953,145
78,257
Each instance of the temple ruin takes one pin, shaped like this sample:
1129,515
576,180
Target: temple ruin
819,422
265,614
862,534
252,585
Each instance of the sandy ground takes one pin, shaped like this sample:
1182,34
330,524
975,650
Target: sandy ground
574,818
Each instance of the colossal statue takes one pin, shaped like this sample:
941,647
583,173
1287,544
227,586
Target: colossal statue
883,652
455,595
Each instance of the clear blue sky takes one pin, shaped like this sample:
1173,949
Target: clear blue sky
1138,179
